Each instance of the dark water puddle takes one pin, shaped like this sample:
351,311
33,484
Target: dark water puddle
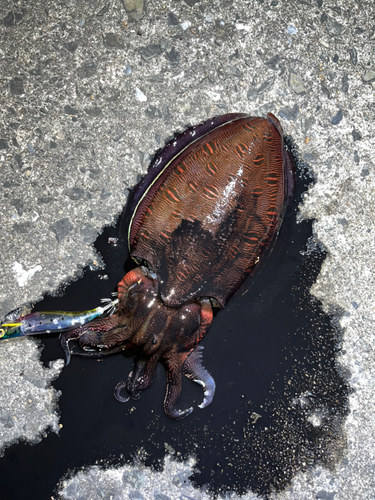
279,405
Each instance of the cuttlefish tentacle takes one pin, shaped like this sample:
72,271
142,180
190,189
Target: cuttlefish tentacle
177,364
117,392
101,332
65,338
131,384
142,375
139,378
94,354
174,386
195,371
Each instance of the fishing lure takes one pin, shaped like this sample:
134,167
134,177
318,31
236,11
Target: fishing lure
53,321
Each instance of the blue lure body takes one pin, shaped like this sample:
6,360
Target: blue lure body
53,321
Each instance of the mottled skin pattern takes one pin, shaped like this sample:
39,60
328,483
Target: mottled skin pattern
227,190
201,224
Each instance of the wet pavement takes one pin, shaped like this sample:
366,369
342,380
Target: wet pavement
89,92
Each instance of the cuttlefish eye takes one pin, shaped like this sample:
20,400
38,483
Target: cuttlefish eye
133,290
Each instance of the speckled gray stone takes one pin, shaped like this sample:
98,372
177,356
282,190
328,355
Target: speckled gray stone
10,19
87,70
69,110
273,62
337,118
345,83
16,86
255,91
136,495
325,90
356,135
151,51
161,496
289,113
18,204
88,233
334,27
54,55
296,84
325,495
94,111
172,20
356,157
74,193
353,56
173,55
225,72
365,172
61,228
369,76
153,112
22,228
113,41
71,46
135,9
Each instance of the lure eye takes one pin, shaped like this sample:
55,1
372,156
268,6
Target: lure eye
2,332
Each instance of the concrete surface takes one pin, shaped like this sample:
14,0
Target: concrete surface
90,90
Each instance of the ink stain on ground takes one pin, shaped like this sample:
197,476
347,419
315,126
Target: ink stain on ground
280,400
